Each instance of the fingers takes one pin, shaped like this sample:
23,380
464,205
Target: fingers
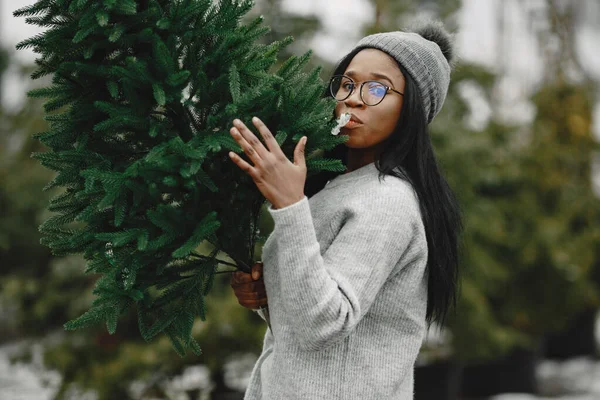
257,269
240,277
243,282
249,142
268,136
255,304
251,287
243,277
251,300
250,294
255,274
244,166
299,159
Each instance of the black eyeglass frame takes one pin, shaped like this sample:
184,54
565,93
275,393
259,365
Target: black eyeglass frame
388,89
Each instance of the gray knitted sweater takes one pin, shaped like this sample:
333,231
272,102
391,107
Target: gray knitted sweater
346,281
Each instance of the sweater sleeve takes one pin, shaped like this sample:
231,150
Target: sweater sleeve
326,296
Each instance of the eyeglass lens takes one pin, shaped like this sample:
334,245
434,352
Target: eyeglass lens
372,92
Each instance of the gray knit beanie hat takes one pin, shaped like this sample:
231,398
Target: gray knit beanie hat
427,55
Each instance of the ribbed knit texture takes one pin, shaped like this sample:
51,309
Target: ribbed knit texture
346,282
422,58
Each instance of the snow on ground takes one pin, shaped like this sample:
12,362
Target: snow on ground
574,379
26,381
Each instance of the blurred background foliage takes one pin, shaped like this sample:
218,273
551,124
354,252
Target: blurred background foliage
531,253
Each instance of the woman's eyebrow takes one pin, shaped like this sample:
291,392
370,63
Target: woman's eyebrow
373,74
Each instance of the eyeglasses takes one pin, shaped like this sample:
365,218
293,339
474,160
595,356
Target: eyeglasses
371,92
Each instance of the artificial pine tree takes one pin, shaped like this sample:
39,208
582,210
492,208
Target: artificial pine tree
145,93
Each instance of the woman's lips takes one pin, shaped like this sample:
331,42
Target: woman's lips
355,118
352,124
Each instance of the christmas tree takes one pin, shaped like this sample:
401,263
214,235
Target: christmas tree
142,98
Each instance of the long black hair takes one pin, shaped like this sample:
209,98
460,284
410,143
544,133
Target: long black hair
409,147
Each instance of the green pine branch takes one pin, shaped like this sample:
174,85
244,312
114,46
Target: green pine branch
142,97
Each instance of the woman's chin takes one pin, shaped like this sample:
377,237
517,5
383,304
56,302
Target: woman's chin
347,132
351,143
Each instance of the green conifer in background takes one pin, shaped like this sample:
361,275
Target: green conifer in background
143,95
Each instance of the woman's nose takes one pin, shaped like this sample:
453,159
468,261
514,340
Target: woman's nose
354,99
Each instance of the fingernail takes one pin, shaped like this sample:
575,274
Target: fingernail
255,275
254,119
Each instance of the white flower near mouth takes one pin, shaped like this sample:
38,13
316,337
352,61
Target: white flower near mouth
341,121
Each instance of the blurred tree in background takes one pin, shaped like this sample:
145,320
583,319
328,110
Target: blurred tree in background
531,225
531,217
284,24
25,264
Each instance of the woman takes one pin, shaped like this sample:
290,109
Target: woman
355,276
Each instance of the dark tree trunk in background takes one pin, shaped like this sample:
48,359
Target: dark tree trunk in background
438,381
578,339
220,390
515,373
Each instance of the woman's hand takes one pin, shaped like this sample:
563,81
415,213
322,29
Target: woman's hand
278,179
250,288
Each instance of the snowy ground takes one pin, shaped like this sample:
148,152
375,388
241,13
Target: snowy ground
26,381
575,379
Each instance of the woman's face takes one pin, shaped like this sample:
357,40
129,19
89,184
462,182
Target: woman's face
378,122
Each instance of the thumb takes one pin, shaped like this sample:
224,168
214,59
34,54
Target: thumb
299,159
256,271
